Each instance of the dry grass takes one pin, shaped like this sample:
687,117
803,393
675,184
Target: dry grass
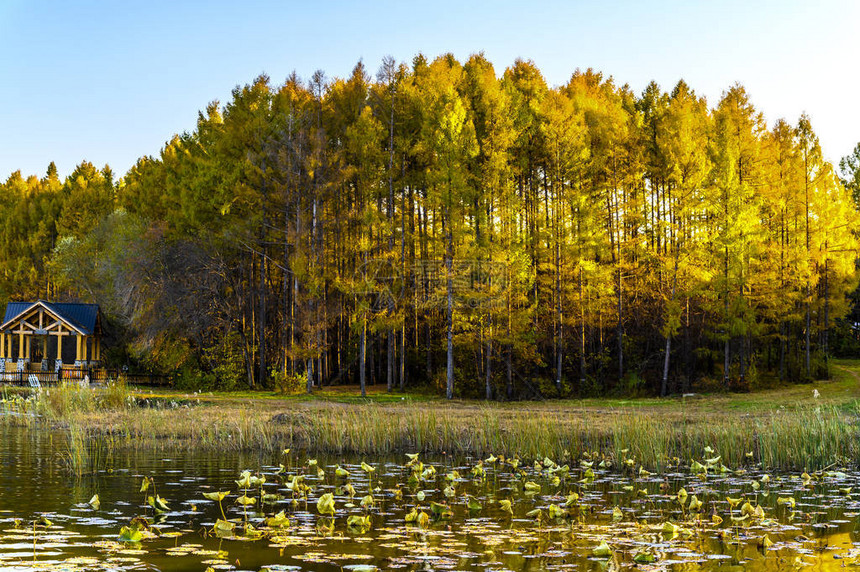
802,438
791,430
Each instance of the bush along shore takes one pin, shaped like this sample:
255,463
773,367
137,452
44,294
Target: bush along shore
99,423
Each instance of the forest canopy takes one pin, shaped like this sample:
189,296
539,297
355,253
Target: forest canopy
442,225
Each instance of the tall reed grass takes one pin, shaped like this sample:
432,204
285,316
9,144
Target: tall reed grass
801,438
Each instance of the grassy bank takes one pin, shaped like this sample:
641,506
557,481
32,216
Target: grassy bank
788,428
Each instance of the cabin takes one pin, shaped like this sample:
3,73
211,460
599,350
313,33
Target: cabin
43,337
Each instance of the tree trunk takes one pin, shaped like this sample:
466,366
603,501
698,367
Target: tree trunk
402,377
362,356
449,316
488,372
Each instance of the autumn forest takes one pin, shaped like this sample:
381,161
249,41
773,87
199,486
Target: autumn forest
473,233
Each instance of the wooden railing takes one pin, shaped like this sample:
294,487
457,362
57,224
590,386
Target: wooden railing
93,375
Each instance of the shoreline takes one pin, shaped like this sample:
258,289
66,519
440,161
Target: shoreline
778,429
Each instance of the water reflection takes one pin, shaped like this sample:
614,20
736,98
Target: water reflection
47,523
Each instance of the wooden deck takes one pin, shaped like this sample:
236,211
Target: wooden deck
94,375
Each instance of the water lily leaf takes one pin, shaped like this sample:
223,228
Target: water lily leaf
643,558
367,501
643,473
244,481
366,468
258,481
45,521
695,503
602,550
280,520
733,502
536,513
158,503
295,484
505,505
682,496
845,491
358,521
617,514
325,504
717,519
217,496
95,502
341,472
713,461
246,500
349,489
571,499
144,485
765,542
491,459
441,511
555,511
423,519
312,462
420,496
786,500
747,509
709,450
472,504
696,467
251,532
128,534
412,515
669,528
531,487
449,492
270,498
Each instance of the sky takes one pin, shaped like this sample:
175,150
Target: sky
112,81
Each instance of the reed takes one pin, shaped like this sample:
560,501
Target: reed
804,437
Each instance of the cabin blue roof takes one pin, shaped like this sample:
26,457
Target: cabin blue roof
82,316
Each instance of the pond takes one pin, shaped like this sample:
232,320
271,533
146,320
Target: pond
428,513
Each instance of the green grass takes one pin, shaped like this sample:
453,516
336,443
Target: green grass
842,388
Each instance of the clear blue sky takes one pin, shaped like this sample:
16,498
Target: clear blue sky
111,81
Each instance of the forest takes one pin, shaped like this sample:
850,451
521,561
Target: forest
439,225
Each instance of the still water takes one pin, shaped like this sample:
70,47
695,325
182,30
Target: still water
558,519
